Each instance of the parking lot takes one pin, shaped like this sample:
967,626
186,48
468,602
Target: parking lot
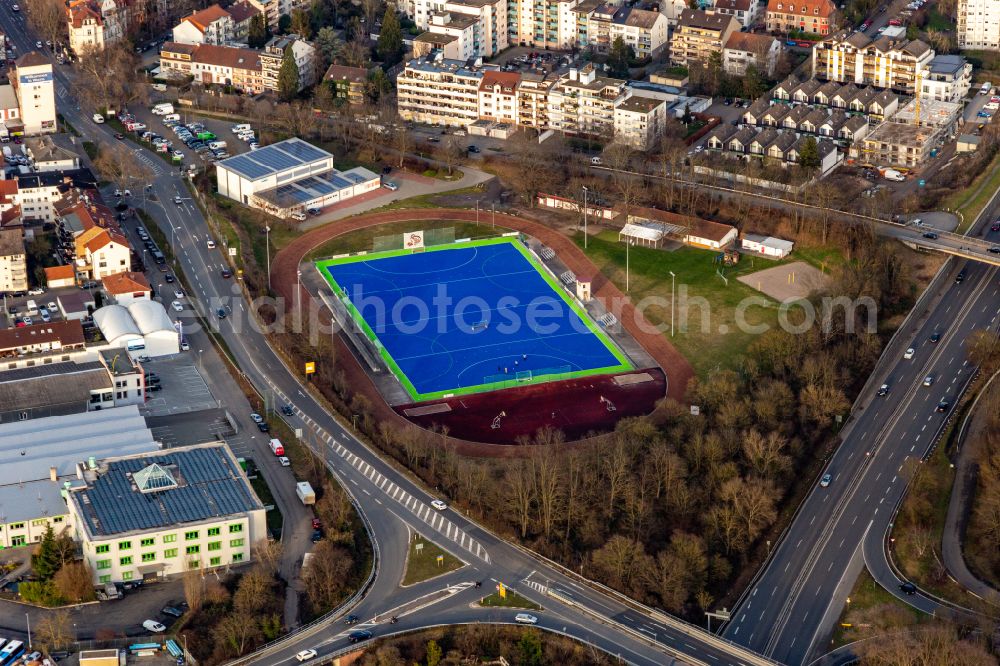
183,387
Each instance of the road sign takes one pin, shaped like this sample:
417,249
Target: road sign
310,367
503,591
232,252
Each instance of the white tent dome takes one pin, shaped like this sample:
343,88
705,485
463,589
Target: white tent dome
150,317
116,324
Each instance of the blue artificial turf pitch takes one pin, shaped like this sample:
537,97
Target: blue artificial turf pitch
470,317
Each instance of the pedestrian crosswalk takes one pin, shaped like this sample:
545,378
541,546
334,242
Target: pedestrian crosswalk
393,492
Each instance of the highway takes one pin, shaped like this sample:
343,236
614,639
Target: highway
791,606
392,505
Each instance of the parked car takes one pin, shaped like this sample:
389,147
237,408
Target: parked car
153,626
171,611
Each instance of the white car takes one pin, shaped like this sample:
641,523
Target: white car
525,618
391,186
176,305
211,245
439,505
285,462
153,626
908,354
256,418
185,346
178,201
178,294
305,655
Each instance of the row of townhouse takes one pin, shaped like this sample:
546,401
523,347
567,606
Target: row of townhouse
467,29
867,100
439,91
825,122
248,70
782,146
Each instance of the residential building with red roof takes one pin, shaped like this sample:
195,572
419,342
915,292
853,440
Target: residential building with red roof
215,25
93,24
60,276
498,97
348,83
127,287
745,48
812,16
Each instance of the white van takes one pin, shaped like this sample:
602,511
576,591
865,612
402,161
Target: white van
98,118
32,307
595,161
215,145
242,127
172,117
162,108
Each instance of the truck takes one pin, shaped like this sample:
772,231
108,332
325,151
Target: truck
305,492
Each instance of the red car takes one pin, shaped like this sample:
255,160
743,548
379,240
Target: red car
316,523
996,226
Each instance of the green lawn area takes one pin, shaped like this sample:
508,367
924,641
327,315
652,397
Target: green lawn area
430,201
274,517
971,201
362,239
938,21
512,600
866,599
423,564
721,342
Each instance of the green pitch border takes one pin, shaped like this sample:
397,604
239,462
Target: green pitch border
624,364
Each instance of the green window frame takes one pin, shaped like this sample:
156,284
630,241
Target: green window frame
103,564
147,542
17,526
214,531
125,561
237,557
194,564
105,579
170,552
215,561
124,545
192,550
215,545
169,538
126,575
148,557
236,528
103,548
191,536
236,543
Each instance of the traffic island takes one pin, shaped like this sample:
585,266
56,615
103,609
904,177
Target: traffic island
510,599
425,560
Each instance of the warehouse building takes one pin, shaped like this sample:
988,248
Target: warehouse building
150,515
41,455
290,176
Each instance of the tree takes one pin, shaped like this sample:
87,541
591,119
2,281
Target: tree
983,350
754,83
530,647
328,44
301,25
47,18
809,156
434,653
237,632
258,32
390,38
619,57
54,630
326,576
288,76
45,561
194,589
75,582
284,24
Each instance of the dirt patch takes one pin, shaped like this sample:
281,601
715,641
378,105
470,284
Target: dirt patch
788,282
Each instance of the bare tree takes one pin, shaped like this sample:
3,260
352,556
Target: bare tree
194,589
75,582
54,630
326,576
47,18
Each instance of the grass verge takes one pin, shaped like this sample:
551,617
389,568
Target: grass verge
275,520
512,600
971,201
362,240
422,562
870,611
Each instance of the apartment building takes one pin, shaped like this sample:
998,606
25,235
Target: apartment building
162,513
640,120
273,10
744,11
644,31
582,103
812,16
533,99
218,65
885,62
479,26
745,48
13,262
347,83
979,24
699,34
593,25
215,25
498,97
85,26
439,91
546,24
34,87
947,78
274,53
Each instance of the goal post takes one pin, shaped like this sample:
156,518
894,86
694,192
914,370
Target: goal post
523,376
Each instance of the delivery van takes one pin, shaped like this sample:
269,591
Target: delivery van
276,447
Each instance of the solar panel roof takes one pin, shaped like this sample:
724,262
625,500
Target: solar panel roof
209,485
280,156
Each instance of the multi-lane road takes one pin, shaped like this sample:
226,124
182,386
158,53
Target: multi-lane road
792,604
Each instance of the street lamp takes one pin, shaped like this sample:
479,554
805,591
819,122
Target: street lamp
27,618
584,217
267,252
494,215
477,212
298,293
672,276
627,244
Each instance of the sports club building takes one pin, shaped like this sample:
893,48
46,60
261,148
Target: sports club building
290,176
